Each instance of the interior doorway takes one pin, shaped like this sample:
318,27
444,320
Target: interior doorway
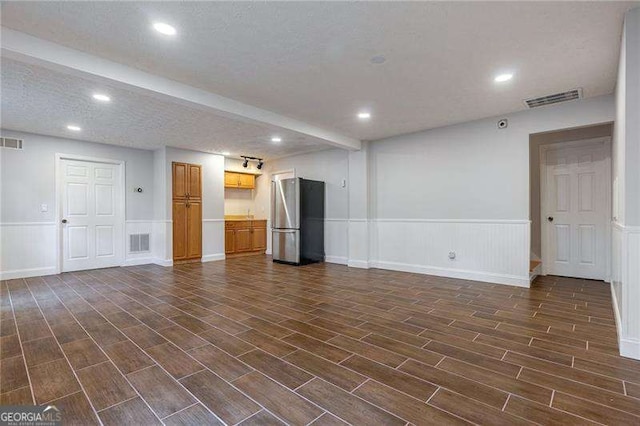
570,205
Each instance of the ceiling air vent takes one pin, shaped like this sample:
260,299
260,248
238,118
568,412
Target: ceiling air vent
11,143
554,99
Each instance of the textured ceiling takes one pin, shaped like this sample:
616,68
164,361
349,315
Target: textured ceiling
39,100
311,60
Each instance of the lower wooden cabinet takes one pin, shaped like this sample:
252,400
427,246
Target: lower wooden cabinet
229,241
259,238
245,237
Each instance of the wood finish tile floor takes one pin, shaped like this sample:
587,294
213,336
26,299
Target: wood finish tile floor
246,341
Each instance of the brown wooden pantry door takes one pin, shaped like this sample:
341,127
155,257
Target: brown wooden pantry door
187,211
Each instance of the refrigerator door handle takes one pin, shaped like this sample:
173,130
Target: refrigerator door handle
285,231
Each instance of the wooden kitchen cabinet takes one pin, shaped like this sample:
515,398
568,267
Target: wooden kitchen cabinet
239,180
229,241
187,212
245,237
259,238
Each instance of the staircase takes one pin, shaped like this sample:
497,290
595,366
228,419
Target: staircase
535,267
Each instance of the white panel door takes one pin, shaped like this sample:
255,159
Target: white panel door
92,215
575,221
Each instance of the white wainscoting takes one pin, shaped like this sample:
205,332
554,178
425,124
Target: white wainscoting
336,237
27,249
139,227
492,251
625,287
161,242
212,240
359,237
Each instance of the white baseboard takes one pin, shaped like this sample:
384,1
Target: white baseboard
362,264
629,348
134,261
163,262
26,273
455,273
340,260
213,257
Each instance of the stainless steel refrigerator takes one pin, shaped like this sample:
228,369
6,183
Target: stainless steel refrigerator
297,221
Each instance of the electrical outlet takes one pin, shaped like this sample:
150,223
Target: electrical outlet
452,255
44,208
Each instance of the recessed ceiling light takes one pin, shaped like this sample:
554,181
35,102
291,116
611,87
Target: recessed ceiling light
74,127
165,29
225,153
101,97
501,78
364,115
276,139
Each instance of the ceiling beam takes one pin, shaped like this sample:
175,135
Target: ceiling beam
26,48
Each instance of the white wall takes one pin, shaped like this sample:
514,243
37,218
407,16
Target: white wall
410,200
464,188
625,281
27,180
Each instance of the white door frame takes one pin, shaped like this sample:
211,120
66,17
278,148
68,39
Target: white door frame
282,172
544,255
58,189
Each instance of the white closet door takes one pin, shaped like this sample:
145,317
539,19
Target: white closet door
92,219
576,217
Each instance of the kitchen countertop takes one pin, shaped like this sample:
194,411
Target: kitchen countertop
240,218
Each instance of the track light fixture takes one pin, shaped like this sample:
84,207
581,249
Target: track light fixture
245,163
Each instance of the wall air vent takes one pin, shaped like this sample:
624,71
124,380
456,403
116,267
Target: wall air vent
11,143
138,243
554,99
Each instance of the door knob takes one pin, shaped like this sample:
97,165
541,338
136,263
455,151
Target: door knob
550,218
64,220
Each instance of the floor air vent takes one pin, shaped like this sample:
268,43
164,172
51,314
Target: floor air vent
11,143
138,243
554,99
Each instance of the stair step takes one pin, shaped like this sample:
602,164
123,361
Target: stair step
533,264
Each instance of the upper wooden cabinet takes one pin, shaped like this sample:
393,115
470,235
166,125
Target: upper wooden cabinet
187,181
239,180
